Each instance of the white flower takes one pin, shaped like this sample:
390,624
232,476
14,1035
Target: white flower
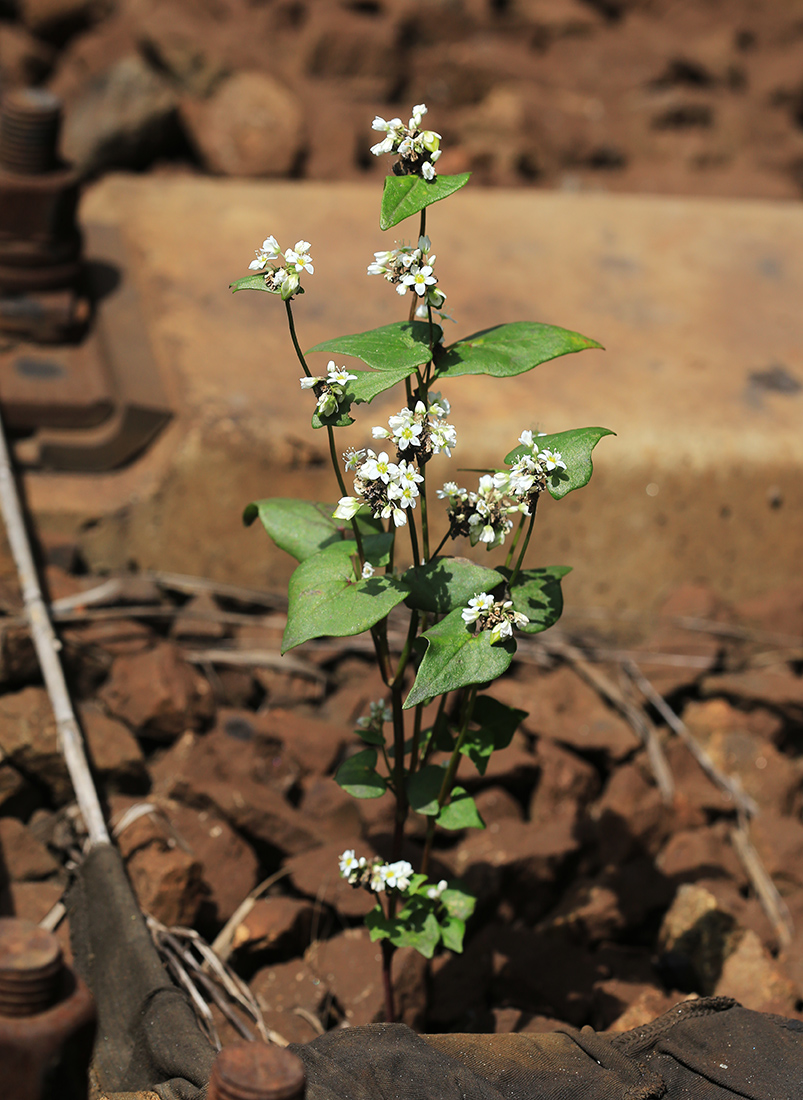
288,281
347,508
449,489
398,875
378,468
367,571
350,866
477,605
434,892
419,278
327,404
378,432
500,631
428,171
398,514
378,875
519,619
419,111
299,257
409,475
308,383
352,459
339,376
526,438
443,437
552,460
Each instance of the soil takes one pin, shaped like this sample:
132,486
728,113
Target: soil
606,891
699,97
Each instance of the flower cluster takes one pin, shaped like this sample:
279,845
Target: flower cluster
387,488
418,150
484,516
283,277
374,874
328,390
409,268
497,616
421,431
378,712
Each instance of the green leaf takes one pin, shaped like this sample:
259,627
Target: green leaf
370,736
444,584
456,657
362,390
402,345
507,350
452,932
326,600
415,926
404,196
458,903
537,594
460,813
575,447
423,789
358,776
497,724
301,527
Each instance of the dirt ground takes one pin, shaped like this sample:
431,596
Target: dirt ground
699,97
610,885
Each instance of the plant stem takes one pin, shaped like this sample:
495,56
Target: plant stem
413,540
398,768
440,545
451,772
294,338
404,657
514,542
424,519
520,562
388,951
339,476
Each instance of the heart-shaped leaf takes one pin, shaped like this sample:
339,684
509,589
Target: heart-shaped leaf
507,350
391,347
446,583
575,447
404,196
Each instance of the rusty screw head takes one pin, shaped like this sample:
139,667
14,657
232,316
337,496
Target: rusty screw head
255,1071
30,968
30,119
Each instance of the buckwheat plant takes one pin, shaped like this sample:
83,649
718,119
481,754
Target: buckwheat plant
462,618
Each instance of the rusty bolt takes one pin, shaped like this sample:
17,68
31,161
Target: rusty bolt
29,131
30,968
255,1071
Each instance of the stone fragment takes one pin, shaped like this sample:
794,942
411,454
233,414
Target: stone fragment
335,811
631,816
18,660
315,744
695,938
279,924
566,782
166,879
18,797
229,865
29,740
778,612
292,999
31,900
25,60
350,968
115,753
648,1006
615,903
113,637
157,693
564,709
775,687
197,622
23,858
123,118
778,839
752,977
251,125
47,17
495,804
769,776
316,874
242,773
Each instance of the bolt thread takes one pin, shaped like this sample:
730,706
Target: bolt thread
30,119
30,968
254,1071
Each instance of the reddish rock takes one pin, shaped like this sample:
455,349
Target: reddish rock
251,125
26,60
777,687
566,783
18,660
565,709
514,768
114,637
357,685
779,842
697,798
198,623
229,865
278,924
242,774
778,612
495,804
696,936
23,858
30,740
631,816
614,904
292,999
17,795
157,693
314,744
769,776
47,16
507,1020
700,854
350,968
752,977
317,875
114,751
335,811
648,1006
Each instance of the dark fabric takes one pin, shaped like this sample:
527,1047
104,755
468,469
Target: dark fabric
148,1037
709,1049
